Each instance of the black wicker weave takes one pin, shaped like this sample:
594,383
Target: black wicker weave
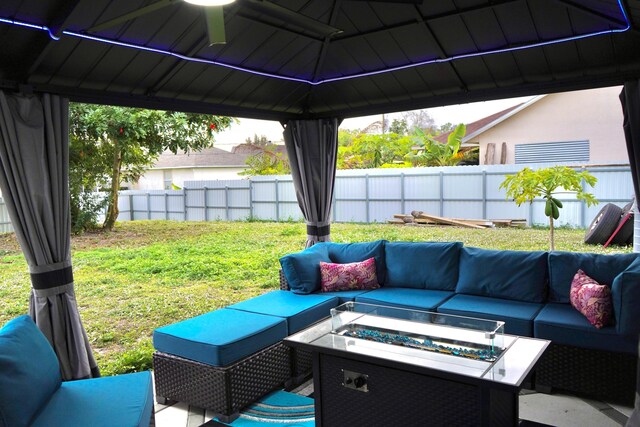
284,285
600,374
223,390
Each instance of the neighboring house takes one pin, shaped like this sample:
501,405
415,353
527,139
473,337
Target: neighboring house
579,126
208,164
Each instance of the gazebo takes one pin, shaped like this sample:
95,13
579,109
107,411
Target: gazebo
306,63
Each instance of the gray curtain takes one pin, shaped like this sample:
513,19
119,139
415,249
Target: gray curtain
630,99
312,147
34,171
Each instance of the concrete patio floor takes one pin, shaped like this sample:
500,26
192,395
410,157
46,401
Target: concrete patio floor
556,410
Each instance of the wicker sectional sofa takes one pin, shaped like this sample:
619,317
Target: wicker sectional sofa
228,358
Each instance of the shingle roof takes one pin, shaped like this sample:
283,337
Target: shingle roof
484,122
211,157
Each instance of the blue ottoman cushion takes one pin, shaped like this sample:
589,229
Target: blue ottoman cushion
517,315
564,265
512,275
299,311
123,401
220,337
418,299
422,265
30,372
563,324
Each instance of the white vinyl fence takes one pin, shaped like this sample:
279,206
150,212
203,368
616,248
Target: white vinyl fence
368,196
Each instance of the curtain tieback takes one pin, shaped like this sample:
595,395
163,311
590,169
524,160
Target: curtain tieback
314,230
51,275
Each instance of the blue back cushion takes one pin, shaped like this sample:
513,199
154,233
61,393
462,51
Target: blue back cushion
302,269
564,265
29,371
515,275
625,293
422,265
344,253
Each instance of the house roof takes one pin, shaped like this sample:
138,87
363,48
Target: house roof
292,59
211,157
485,123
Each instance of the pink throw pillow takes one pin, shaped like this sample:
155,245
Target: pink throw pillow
348,277
591,299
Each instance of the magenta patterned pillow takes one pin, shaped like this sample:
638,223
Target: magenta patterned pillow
591,299
347,277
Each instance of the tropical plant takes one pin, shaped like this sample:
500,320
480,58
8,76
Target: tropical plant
117,144
527,185
373,151
435,153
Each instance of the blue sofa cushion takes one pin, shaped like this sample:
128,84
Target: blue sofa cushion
517,315
344,296
563,324
302,269
564,265
220,337
299,311
422,265
343,253
418,299
512,275
122,400
29,372
625,293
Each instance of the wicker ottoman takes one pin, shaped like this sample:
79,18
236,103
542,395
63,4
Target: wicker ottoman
221,361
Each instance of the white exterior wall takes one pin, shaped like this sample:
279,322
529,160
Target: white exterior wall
154,179
590,115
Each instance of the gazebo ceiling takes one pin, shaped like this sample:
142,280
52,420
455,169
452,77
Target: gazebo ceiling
315,58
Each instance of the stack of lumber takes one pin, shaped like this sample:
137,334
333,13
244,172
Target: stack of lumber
416,218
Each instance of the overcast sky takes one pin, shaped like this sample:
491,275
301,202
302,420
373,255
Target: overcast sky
464,113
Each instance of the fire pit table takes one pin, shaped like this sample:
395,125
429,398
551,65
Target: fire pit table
377,365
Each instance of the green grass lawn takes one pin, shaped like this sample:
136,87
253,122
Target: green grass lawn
147,274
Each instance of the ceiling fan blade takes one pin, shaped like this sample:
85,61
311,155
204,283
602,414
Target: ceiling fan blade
131,15
287,15
215,24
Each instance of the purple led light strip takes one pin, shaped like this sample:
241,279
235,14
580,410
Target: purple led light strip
319,82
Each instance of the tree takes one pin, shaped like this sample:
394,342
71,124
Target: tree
435,153
373,151
125,141
419,119
528,184
268,162
259,141
399,127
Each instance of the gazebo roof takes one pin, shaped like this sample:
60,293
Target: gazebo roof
315,58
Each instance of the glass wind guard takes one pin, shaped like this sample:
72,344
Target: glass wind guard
395,329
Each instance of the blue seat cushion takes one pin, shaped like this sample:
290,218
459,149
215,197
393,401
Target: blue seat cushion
122,400
517,315
564,265
302,269
29,372
513,275
418,299
344,296
344,253
299,311
220,337
422,265
625,293
563,324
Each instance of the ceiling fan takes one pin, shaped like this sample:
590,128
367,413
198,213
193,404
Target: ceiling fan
214,17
